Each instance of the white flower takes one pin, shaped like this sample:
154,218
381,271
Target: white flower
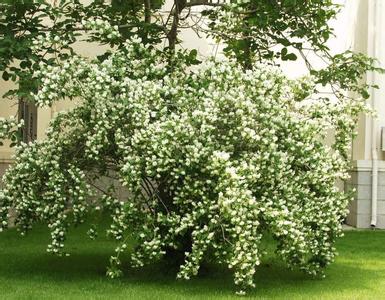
222,155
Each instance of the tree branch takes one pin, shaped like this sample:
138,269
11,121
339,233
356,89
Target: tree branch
204,2
147,11
179,5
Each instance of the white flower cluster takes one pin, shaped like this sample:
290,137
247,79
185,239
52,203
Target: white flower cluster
212,159
48,40
60,82
102,27
9,126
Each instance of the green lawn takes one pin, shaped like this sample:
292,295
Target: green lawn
28,272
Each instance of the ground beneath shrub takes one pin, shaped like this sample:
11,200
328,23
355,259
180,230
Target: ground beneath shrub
28,272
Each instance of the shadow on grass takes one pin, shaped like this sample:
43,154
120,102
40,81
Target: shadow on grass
271,279
25,260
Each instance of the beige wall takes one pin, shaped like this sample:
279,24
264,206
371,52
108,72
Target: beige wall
367,36
361,145
7,108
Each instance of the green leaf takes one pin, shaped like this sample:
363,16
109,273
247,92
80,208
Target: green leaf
365,94
6,76
291,56
25,64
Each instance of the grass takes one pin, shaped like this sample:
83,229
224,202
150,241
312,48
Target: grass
28,272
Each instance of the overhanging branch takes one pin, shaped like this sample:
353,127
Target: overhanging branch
204,3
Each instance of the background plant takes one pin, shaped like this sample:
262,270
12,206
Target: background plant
211,157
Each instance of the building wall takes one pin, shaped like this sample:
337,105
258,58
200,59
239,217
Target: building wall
369,38
360,207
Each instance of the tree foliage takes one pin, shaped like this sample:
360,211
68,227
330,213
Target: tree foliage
211,155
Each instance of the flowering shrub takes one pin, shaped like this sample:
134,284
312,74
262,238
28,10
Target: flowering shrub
9,129
212,159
